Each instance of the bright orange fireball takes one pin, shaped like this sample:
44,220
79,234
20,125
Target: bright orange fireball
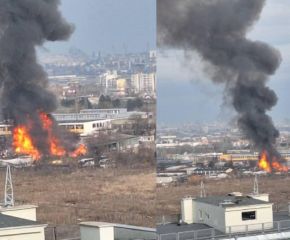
23,142
264,164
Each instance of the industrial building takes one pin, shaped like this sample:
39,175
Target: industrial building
229,213
86,127
116,142
101,114
246,157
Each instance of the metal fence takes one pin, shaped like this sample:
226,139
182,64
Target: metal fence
233,231
166,219
280,207
62,232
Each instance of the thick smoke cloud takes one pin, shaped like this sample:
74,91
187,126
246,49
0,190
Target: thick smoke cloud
25,24
216,30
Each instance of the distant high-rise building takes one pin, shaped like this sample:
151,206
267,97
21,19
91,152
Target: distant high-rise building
143,82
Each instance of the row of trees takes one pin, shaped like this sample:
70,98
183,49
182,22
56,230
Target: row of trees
136,103
107,102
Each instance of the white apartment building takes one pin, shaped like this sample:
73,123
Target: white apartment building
153,54
143,82
109,80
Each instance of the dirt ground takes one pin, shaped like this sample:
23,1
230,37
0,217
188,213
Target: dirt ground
68,197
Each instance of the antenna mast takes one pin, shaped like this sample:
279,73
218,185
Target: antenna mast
8,194
202,190
256,187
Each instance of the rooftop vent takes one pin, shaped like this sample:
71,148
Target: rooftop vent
235,194
226,202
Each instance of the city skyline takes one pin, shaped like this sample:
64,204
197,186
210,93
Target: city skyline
98,26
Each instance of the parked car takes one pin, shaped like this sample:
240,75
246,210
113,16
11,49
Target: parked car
86,162
105,162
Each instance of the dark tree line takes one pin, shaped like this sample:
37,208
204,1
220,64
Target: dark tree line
136,103
106,102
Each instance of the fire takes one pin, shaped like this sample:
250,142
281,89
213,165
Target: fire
277,166
23,143
264,164
80,150
55,148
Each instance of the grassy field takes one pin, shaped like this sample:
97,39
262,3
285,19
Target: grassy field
168,198
65,198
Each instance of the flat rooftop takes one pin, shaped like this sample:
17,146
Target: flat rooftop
231,201
174,228
14,222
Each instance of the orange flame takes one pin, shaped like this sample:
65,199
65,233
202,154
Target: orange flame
277,166
264,164
80,150
23,143
55,148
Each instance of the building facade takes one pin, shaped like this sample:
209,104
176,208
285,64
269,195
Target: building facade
232,213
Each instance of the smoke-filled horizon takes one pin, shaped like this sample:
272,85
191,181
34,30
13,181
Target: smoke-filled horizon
216,30
24,25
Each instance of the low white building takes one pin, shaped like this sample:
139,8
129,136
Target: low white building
111,231
232,213
19,223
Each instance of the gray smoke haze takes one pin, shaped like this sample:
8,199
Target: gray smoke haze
23,26
216,30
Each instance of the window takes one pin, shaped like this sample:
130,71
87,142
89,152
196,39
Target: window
248,216
200,215
207,216
94,125
80,126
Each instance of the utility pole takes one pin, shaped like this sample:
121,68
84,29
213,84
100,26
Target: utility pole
8,194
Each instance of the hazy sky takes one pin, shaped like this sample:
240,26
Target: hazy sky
103,23
185,95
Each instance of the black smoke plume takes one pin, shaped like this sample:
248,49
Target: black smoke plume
24,25
216,30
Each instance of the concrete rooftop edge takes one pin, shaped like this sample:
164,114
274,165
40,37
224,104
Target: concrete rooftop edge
104,224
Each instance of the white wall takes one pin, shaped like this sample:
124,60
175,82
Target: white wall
216,214
187,210
108,231
26,212
262,197
97,232
28,233
264,214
